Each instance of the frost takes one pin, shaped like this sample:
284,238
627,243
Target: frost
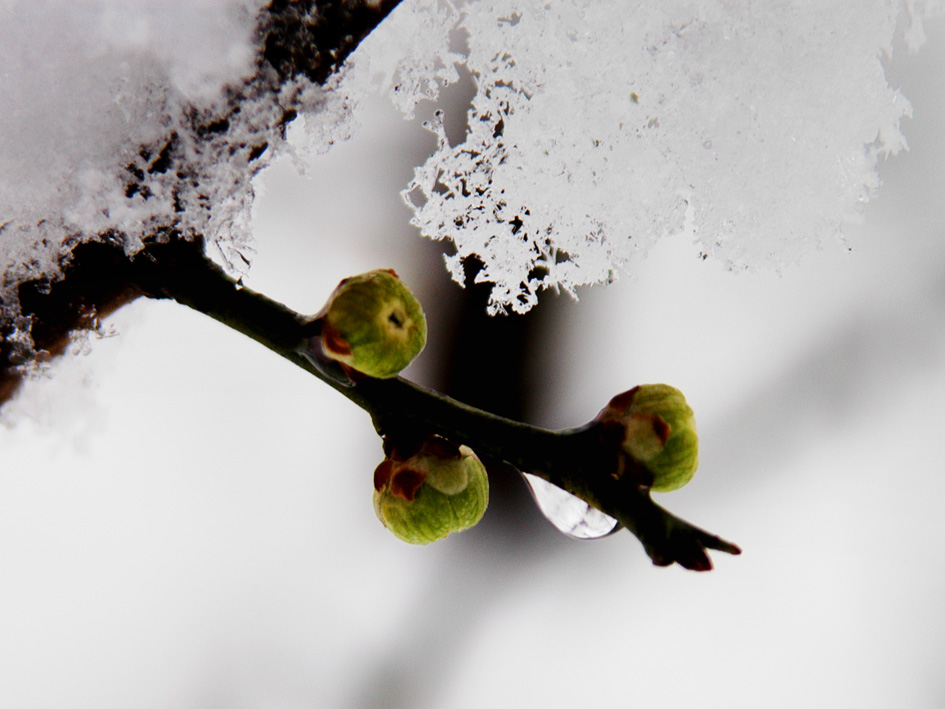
599,127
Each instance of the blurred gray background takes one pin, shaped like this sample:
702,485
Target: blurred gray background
186,519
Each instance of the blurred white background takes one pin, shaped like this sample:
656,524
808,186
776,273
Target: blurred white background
186,519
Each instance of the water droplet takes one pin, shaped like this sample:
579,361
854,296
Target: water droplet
571,515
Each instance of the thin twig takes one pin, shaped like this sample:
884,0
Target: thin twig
580,460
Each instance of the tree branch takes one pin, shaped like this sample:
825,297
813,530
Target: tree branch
581,460
311,38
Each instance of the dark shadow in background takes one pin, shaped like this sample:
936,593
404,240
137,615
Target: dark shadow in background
486,363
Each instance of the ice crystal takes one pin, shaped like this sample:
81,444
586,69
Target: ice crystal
599,127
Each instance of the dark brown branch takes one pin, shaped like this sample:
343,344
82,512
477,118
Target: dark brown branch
580,460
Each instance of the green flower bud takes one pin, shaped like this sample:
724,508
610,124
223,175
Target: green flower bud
426,491
372,324
659,433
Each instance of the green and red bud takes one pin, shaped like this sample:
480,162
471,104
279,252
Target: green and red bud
658,433
427,489
371,324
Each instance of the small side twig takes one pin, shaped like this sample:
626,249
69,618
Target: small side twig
578,460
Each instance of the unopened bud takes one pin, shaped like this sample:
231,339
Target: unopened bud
425,491
372,324
659,433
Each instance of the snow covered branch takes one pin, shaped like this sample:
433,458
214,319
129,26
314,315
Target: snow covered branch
189,138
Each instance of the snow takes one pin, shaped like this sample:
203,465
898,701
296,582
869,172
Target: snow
599,128
596,129
85,85
94,98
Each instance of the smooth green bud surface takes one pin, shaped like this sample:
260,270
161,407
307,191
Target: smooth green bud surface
659,433
373,324
438,490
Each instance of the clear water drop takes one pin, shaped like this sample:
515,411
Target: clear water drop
571,515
